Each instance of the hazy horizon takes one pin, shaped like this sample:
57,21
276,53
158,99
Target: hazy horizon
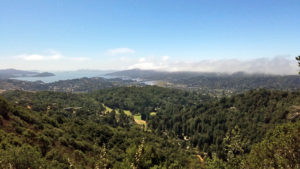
199,36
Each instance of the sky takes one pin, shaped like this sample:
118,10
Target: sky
183,35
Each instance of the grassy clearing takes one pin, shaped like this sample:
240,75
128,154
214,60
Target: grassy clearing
128,113
137,118
153,114
107,109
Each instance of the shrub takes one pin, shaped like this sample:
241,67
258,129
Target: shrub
23,157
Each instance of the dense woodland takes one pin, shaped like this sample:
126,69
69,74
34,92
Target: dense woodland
203,121
144,100
60,138
183,129
149,84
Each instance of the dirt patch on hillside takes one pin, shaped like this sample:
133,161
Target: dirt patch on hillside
140,122
200,158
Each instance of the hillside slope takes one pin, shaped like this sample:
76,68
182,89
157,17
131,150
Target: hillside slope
59,138
59,130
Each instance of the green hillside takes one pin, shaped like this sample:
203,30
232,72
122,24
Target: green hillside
61,139
184,129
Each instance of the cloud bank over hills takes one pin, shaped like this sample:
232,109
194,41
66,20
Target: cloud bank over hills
280,65
126,58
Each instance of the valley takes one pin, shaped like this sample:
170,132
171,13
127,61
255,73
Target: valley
149,84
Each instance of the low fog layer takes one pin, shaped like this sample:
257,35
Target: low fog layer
276,65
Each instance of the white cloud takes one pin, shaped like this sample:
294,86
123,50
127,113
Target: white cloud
147,66
52,55
80,58
165,58
142,59
123,58
118,51
277,65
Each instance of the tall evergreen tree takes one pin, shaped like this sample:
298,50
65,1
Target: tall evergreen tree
298,59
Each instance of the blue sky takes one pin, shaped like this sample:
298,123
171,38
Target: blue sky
158,34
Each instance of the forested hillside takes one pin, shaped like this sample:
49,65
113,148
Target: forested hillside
181,130
39,137
205,125
203,121
149,84
144,100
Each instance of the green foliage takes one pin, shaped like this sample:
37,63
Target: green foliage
23,157
4,108
83,140
279,149
206,124
234,145
76,130
298,60
215,163
144,100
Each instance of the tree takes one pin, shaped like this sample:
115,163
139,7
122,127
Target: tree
23,157
298,59
4,108
279,149
234,145
103,161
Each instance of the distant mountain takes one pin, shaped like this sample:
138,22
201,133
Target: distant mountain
137,73
12,73
88,71
158,75
238,81
15,71
74,85
8,73
175,76
44,74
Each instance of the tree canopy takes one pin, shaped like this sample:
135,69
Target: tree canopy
181,129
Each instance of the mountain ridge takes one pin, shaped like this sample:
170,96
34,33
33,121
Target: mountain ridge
13,73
